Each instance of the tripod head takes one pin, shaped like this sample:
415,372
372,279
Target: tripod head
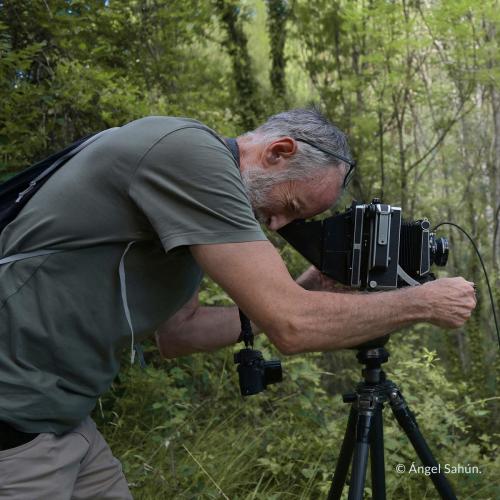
372,344
372,354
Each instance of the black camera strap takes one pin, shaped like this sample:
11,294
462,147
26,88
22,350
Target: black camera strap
246,334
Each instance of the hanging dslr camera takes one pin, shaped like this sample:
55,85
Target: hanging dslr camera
369,246
255,373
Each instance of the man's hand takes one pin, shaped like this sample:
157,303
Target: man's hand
312,279
451,301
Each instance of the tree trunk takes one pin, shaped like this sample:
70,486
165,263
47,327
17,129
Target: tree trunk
494,177
278,13
249,108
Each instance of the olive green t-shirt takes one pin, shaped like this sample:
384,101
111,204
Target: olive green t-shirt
160,182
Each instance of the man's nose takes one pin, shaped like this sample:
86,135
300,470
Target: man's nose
278,221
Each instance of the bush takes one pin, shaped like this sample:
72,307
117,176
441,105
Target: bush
182,430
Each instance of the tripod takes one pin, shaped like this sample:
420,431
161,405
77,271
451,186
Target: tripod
365,435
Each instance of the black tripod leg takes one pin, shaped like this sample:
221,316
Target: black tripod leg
361,449
407,421
377,456
344,460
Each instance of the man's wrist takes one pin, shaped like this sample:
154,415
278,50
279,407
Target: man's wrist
422,305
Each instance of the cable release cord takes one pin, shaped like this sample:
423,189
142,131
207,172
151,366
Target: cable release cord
484,271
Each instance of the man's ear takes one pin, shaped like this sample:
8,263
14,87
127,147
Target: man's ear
277,152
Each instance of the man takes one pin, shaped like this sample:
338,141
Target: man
133,221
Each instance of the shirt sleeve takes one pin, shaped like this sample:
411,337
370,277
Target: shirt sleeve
189,187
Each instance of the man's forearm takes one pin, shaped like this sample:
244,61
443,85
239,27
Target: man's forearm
324,321
314,280
327,321
207,329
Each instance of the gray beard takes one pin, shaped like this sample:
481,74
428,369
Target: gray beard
258,185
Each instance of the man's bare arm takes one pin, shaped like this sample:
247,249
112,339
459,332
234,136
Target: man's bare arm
198,329
195,328
297,320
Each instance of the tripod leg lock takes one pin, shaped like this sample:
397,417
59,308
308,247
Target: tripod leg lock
399,407
368,403
349,397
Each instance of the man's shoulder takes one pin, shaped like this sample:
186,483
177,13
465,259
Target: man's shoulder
167,136
160,126
178,141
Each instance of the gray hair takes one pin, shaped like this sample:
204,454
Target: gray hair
310,125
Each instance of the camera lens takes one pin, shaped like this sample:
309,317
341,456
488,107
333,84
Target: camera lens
439,250
272,372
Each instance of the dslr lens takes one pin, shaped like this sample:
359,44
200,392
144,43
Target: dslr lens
272,372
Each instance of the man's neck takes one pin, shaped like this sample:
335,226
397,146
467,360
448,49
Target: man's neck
249,151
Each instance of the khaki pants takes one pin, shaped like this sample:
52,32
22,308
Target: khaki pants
78,465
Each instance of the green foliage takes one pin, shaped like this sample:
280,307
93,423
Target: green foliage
73,68
182,430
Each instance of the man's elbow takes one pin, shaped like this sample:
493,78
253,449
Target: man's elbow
161,346
168,349
168,353
286,337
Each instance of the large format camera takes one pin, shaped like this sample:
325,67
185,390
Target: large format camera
369,246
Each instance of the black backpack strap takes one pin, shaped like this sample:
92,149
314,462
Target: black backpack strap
17,191
50,170
232,145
